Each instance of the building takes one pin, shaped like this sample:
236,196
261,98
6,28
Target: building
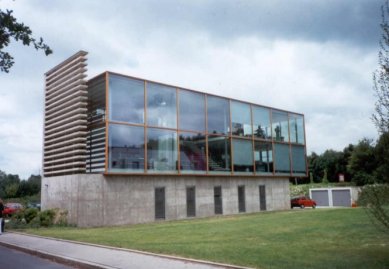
119,150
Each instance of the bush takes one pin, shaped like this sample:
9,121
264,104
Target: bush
32,218
375,199
47,217
30,214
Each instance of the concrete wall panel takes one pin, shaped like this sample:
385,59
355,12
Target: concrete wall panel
97,200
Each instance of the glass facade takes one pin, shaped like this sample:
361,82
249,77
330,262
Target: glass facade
193,157
219,154
126,148
263,156
154,128
243,157
218,115
261,122
127,100
241,119
280,126
161,150
296,123
161,106
192,111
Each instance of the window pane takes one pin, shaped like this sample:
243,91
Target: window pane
126,148
281,153
241,119
261,122
296,123
126,99
192,111
243,156
298,160
280,126
192,153
161,150
263,154
218,115
219,154
161,106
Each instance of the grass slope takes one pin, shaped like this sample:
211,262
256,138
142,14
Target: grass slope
321,238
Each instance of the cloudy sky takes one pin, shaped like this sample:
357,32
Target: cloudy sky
312,57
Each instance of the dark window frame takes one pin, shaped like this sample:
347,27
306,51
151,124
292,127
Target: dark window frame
160,203
241,199
191,201
218,199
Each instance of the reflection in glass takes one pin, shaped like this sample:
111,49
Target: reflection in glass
161,150
243,157
263,156
296,123
261,122
218,113
161,106
241,119
192,152
219,154
126,99
281,154
95,155
192,111
280,126
298,160
126,148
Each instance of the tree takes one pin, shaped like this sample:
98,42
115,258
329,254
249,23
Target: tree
10,27
363,162
381,75
382,155
5,182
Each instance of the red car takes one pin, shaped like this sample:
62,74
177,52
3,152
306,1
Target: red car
11,208
302,202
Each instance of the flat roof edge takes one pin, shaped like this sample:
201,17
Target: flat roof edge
77,54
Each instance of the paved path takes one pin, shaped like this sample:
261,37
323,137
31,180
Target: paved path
95,256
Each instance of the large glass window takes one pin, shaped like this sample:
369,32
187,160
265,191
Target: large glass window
241,119
280,126
126,99
261,122
218,113
192,153
161,150
192,111
126,148
298,160
243,157
281,152
161,106
263,156
296,123
219,154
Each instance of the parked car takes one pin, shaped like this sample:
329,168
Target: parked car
11,208
302,202
34,205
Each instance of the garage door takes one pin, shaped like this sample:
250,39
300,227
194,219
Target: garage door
341,198
321,197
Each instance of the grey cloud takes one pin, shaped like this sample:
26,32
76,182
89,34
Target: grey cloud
319,21
348,21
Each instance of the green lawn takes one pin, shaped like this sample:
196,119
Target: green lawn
321,238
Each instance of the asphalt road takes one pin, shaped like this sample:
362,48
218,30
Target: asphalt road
10,258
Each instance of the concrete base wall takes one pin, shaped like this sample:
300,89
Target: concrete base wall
98,200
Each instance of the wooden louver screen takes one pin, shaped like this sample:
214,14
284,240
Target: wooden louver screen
65,123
